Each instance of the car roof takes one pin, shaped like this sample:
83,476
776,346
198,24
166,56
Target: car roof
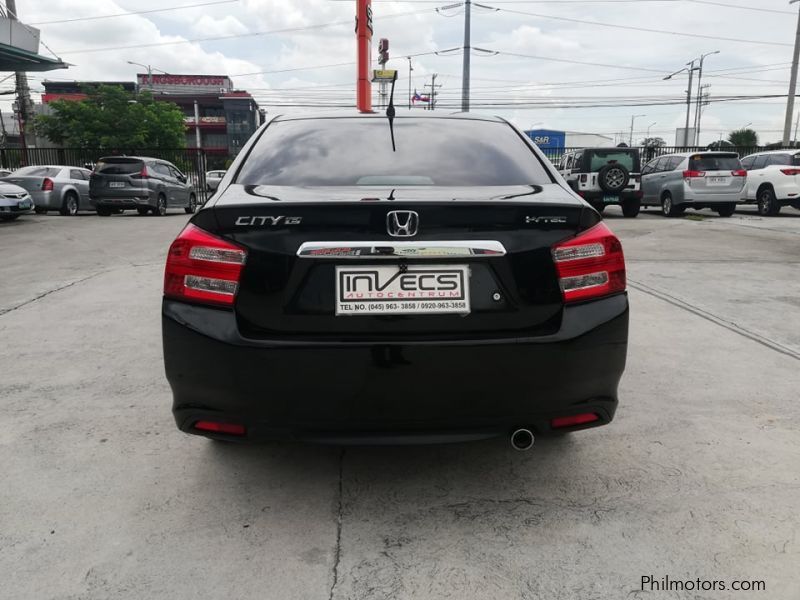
381,115
786,151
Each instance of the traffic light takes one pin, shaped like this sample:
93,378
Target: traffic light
383,51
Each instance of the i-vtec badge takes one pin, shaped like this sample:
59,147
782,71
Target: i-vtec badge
268,221
546,220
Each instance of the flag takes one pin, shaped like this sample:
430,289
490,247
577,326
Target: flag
419,98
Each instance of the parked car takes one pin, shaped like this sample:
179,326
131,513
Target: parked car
604,176
697,180
55,187
145,184
451,290
773,180
213,178
14,201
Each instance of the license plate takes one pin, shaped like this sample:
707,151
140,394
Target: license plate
116,184
389,290
24,205
610,199
717,180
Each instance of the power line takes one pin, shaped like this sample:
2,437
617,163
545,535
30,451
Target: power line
644,29
578,62
136,12
241,35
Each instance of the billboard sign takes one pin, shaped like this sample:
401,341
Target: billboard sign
547,138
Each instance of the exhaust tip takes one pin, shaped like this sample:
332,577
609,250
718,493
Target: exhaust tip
522,439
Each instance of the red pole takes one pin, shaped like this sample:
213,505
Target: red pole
364,40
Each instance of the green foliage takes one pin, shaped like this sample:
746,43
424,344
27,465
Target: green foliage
653,142
113,118
743,137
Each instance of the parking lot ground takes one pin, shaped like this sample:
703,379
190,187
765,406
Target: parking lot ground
698,476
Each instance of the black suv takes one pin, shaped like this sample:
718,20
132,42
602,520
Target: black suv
604,176
141,183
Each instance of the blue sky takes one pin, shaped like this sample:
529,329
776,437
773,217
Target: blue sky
629,65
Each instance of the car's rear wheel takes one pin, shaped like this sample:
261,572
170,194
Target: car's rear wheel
668,209
103,212
161,206
143,211
192,205
767,203
631,208
69,205
726,210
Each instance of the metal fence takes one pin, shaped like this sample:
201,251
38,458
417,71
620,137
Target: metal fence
648,153
190,161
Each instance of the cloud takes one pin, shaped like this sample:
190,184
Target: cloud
417,27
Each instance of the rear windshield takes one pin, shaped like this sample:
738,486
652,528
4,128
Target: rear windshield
600,158
715,162
353,151
37,172
118,167
784,159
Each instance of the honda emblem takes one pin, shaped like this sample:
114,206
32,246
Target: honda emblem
402,223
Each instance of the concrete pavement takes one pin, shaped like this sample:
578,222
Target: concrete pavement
698,477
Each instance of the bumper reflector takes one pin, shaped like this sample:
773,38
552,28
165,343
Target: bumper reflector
573,420
214,427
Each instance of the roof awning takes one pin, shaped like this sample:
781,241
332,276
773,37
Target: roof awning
17,59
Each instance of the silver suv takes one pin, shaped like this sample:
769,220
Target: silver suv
604,176
697,180
145,184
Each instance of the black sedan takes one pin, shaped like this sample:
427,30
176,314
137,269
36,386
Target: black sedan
337,289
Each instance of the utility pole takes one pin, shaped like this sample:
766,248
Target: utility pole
633,118
23,92
433,86
787,125
699,97
466,57
796,123
410,69
702,100
688,106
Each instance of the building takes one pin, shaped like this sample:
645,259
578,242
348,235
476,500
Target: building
226,118
76,90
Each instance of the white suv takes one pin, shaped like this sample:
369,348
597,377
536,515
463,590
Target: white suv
773,180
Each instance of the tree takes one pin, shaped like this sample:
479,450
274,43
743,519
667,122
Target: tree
653,142
743,137
112,118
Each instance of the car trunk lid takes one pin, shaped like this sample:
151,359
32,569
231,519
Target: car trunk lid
300,239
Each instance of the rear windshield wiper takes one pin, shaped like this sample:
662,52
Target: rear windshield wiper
390,112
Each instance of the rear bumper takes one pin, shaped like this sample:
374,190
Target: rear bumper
604,198
703,198
144,199
392,390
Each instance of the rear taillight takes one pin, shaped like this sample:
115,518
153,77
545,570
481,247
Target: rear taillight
740,173
584,178
573,420
790,171
141,174
203,268
693,174
47,185
590,265
215,427
637,178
